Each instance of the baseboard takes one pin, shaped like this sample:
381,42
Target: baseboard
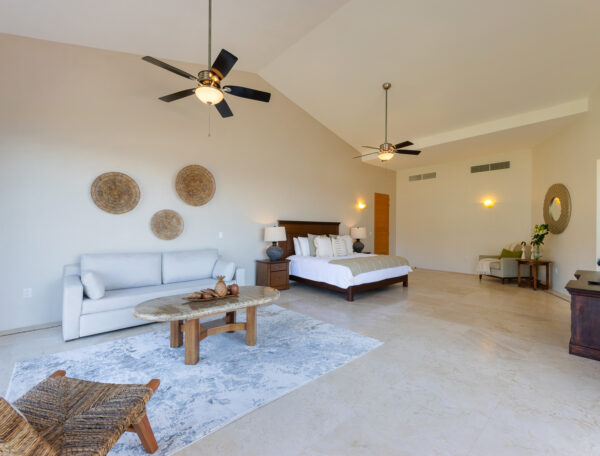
558,294
10,332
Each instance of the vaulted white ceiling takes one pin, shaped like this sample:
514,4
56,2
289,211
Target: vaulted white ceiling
468,76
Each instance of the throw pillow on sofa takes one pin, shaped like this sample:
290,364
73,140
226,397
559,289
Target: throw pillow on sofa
93,285
510,254
224,268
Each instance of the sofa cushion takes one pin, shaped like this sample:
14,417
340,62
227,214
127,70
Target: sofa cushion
124,270
188,265
131,297
510,254
93,285
224,268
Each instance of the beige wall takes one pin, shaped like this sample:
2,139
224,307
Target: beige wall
441,223
71,113
571,158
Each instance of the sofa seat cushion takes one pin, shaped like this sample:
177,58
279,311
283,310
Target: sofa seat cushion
124,270
131,297
188,265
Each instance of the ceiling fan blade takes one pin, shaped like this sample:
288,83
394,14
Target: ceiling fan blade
170,68
403,144
245,92
224,63
370,147
364,155
223,109
408,152
178,95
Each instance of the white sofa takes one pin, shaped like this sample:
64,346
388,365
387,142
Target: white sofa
131,278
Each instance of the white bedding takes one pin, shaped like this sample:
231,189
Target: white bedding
320,270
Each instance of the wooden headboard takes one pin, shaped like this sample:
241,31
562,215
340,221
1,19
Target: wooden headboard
302,229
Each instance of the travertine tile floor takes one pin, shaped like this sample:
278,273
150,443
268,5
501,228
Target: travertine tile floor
467,368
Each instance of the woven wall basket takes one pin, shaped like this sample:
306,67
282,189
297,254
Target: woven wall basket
115,193
195,185
166,224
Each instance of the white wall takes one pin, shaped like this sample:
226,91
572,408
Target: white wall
442,224
570,158
70,113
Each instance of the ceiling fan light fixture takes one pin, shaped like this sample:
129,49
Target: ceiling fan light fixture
385,155
209,94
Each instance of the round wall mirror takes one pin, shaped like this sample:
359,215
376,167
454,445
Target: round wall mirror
557,208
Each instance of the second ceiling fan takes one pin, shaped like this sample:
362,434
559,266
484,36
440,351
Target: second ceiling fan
387,151
209,89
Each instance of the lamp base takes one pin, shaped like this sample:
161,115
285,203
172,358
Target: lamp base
274,252
358,246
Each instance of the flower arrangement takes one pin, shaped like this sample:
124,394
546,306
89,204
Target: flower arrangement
539,233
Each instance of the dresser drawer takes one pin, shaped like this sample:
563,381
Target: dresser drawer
279,267
279,278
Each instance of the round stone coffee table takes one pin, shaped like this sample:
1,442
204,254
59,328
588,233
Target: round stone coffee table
185,316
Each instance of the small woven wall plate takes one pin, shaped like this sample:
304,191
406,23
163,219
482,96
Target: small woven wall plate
166,224
195,185
115,193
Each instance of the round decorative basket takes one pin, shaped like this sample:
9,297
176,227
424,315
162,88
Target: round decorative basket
195,185
115,193
166,224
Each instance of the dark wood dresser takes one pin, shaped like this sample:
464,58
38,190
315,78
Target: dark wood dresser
585,315
274,274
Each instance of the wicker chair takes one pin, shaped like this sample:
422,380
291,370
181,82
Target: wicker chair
67,416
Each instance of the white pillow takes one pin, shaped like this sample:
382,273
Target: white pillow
348,242
224,268
297,249
93,285
324,246
339,247
304,246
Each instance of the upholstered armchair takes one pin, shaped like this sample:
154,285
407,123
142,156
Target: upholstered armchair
502,268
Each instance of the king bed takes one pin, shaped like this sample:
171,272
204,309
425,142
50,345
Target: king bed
321,272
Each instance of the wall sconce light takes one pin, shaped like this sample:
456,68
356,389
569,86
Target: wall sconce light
489,203
361,205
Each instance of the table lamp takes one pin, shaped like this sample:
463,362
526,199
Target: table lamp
274,234
358,233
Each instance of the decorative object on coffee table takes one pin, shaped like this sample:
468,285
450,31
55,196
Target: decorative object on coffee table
358,233
115,193
274,274
274,234
185,317
63,415
557,208
221,287
195,185
166,224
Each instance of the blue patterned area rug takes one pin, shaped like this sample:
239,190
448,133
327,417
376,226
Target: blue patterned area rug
230,380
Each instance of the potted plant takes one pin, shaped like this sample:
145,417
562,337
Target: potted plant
539,234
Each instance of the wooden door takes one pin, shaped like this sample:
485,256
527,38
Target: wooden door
382,224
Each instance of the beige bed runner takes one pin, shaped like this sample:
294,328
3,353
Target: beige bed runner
372,263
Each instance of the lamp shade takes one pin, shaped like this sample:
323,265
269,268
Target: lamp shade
358,232
274,233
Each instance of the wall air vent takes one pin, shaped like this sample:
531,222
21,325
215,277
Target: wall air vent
418,177
490,167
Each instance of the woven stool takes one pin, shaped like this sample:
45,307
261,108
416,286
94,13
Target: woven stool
67,416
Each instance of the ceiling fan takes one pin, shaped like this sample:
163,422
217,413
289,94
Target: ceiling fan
386,150
208,89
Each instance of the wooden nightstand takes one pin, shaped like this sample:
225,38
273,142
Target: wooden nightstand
274,274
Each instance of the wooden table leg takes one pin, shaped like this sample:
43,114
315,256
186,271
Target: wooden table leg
144,432
192,341
176,334
251,325
535,271
230,318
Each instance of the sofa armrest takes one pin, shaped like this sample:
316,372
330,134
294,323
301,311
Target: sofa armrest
72,301
481,257
240,276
